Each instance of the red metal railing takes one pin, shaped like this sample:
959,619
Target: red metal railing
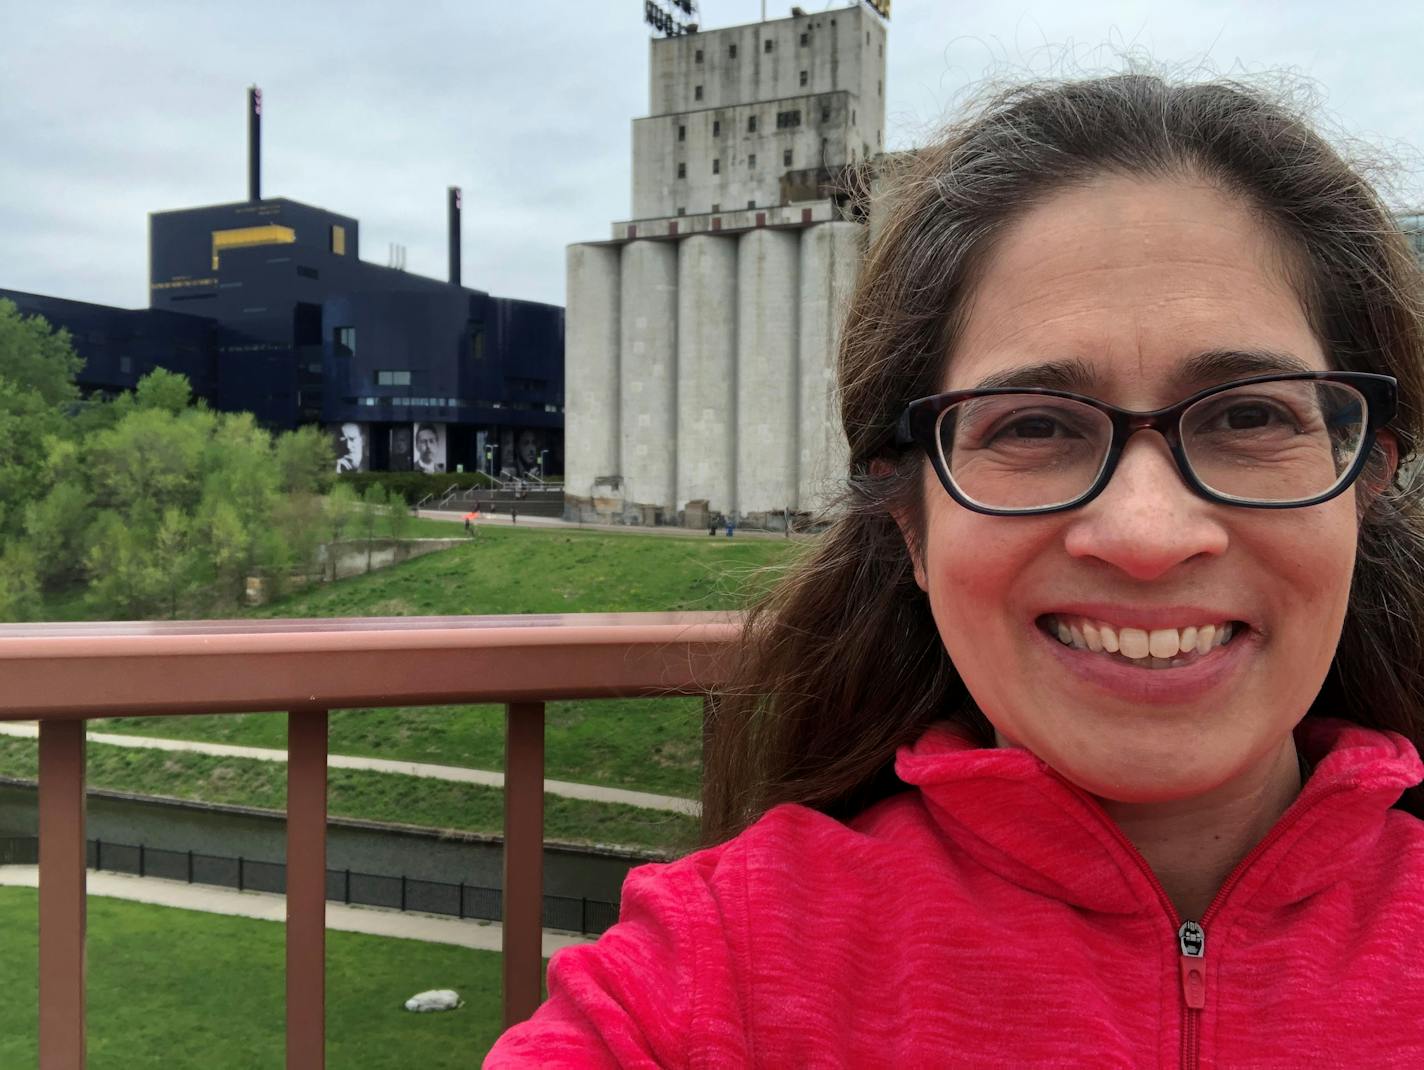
65,674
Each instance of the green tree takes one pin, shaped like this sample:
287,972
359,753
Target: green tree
37,371
19,583
166,391
339,510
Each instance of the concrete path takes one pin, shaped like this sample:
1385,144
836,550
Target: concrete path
488,778
265,906
501,519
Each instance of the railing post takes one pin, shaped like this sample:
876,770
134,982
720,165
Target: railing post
306,890
62,895
523,858
140,861
239,873
348,886
190,867
402,891
98,854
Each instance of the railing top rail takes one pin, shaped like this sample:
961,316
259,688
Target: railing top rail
114,669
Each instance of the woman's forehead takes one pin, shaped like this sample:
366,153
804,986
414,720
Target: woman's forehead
1129,283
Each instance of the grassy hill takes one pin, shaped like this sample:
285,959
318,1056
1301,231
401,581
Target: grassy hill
643,744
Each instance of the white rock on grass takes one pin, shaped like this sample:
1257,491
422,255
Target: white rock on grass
437,999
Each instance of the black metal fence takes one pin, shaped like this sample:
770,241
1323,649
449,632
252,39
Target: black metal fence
580,915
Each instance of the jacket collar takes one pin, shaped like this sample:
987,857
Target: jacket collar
1018,818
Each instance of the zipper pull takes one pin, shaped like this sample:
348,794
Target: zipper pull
1191,938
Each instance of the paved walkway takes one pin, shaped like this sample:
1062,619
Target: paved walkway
501,519
375,921
488,778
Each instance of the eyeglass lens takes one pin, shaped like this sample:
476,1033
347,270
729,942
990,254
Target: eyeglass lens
1281,441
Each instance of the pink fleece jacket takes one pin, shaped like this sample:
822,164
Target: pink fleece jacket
995,917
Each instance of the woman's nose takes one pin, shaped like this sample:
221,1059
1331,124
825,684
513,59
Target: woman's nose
1147,521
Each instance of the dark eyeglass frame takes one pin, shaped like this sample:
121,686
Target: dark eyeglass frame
919,423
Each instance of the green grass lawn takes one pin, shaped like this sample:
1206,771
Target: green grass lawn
179,988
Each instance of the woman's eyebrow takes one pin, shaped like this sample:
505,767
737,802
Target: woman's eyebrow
1222,365
1076,376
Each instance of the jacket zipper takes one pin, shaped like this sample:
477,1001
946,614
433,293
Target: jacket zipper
1191,935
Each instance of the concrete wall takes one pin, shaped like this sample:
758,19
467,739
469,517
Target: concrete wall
768,302
648,373
706,372
830,258
592,431
701,95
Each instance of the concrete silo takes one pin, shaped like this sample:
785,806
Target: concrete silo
830,258
707,372
647,378
768,297
591,434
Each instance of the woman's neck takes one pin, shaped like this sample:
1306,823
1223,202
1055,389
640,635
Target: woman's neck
1193,844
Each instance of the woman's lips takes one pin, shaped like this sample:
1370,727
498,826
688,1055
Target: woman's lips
1188,678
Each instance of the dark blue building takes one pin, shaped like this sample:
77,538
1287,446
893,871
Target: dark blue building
120,346
267,307
407,371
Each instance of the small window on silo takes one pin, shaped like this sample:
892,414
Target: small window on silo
698,58
697,92
766,45
731,51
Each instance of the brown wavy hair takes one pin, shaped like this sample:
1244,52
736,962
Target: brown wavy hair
842,663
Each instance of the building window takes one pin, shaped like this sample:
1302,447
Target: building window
716,128
698,57
852,117
716,208
308,272
697,92
682,170
751,124
393,378
338,239
751,159
825,114
766,45
751,204
682,211
126,365
805,77
785,119
786,158
344,339
682,133
878,90
716,167
477,341
731,51
805,39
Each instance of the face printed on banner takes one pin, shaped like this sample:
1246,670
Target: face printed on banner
350,448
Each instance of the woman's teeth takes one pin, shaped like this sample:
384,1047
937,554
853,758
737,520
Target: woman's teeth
1160,648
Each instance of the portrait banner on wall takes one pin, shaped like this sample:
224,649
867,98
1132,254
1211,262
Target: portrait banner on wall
349,443
430,447
508,463
528,452
402,452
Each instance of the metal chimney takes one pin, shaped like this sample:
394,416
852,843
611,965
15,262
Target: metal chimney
454,203
254,143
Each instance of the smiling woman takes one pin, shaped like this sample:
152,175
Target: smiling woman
1082,737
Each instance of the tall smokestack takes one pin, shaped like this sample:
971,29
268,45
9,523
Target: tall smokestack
454,200
254,143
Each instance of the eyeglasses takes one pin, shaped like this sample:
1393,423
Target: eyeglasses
1267,442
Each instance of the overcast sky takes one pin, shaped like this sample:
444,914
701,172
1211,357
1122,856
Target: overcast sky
109,110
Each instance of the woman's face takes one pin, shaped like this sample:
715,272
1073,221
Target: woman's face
1133,279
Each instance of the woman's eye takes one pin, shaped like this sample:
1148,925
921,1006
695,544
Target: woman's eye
1034,427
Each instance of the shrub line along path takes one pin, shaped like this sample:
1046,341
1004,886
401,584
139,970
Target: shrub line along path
488,778
270,906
